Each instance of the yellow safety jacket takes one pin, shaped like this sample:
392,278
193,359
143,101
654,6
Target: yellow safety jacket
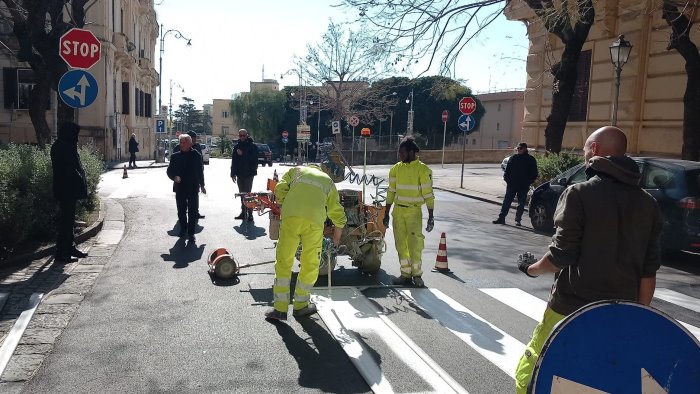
309,193
411,185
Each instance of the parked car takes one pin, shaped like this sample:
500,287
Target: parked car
264,154
205,153
504,163
675,184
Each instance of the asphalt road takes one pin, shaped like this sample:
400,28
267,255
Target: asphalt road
157,322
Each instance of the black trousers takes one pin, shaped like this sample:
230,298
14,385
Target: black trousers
511,192
245,185
187,210
66,220
132,159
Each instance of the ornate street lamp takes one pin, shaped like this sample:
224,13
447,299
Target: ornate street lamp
619,54
176,34
409,126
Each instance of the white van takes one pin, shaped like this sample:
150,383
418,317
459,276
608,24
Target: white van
205,153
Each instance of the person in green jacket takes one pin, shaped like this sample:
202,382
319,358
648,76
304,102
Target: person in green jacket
307,196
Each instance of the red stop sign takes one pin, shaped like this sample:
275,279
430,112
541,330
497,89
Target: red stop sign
467,105
80,48
445,114
285,134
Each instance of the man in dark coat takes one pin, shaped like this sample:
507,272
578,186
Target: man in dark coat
133,148
187,172
521,171
69,186
244,168
196,146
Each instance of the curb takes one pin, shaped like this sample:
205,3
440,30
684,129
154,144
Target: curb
119,166
49,250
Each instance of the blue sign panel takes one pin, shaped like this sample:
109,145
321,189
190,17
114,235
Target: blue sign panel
78,88
618,347
466,123
160,126
285,140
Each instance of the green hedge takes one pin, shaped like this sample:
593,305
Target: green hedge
550,165
27,207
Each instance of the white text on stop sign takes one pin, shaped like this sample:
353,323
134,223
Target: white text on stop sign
83,49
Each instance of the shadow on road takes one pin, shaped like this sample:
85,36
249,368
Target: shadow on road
175,231
322,363
250,231
216,281
182,253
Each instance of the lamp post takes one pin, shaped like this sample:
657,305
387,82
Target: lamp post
176,34
380,118
170,116
409,126
619,54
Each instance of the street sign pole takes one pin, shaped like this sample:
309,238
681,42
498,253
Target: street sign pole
464,148
445,115
352,147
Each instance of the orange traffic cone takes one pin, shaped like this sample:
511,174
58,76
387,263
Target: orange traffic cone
125,175
441,259
275,177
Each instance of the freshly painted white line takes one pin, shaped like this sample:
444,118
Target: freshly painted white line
3,299
494,344
677,298
692,329
347,313
13,338
521,301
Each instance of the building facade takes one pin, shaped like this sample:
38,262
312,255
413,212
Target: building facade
126,77
651,88
502,124
222,122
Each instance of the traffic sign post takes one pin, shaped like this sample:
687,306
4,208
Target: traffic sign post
303,136
353,121
445,116
601,348
336,127
160,125
78,88
79,48
466,123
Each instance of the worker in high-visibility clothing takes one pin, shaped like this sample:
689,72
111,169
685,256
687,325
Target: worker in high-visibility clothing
410,186
307,196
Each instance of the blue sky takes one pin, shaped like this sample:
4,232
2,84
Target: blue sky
232,40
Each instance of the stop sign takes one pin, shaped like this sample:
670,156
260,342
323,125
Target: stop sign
79,48
445,114
467,105
285,134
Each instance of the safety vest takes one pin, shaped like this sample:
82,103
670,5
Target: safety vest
411,185
309,193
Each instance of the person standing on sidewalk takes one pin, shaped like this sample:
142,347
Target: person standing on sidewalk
410,186
69,186
244,168
187,172
606,245
307,196
133,148
521,171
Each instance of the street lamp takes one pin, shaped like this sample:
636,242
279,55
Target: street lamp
392,95
409,126
318,125
170,115
176,34
619,54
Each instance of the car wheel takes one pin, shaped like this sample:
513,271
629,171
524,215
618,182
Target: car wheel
269,163
540,217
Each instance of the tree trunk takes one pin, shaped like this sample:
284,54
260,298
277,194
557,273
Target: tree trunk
37,107
681,41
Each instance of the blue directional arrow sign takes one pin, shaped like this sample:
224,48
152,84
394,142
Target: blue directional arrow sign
160,126
78,88
466,123
618,347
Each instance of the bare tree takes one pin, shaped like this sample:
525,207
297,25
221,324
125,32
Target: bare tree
676,15
417,29
38,26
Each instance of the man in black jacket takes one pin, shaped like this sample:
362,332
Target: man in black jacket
187,171
244,168
69,186
196,146
521,171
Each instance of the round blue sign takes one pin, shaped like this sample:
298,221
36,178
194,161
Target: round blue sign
618,347
466,123
78,88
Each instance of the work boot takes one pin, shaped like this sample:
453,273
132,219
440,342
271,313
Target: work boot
305,311
401,281
274,314
77,253
517,223
418,281
499,221
241,216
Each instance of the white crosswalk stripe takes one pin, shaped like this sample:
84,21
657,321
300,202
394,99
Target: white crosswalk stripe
677,298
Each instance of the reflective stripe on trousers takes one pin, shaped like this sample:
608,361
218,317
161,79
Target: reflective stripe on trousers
292,231
408,237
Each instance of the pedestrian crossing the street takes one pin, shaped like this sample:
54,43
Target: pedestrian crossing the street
350,316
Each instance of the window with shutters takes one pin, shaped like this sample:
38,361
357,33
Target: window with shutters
125,98
579,103
149,105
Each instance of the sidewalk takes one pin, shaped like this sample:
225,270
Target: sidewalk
112,165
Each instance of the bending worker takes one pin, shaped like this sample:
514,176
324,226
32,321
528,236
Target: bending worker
307,195
410,186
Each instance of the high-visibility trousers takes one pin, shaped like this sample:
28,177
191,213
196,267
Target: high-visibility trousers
409,239
292,231
526,366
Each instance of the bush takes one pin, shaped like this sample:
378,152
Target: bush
27,208
549,165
